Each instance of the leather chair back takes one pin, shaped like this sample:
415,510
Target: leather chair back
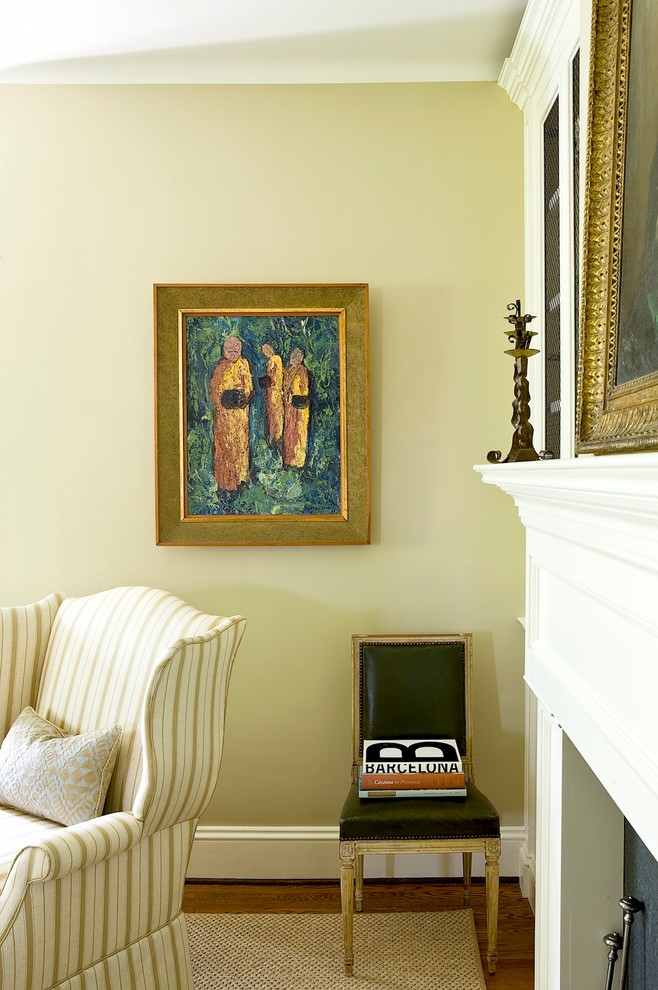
412,690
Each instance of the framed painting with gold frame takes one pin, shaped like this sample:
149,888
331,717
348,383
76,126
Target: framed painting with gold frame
618,362
262,414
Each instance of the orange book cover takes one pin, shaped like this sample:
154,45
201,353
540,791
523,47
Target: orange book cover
410,781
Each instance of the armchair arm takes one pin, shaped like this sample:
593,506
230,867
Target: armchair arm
65,851
78,846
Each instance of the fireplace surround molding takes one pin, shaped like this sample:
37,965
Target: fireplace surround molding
592,614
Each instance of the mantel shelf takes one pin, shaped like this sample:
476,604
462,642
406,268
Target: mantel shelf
606,500
623,474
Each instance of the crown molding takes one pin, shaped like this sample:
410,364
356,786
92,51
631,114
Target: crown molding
549,32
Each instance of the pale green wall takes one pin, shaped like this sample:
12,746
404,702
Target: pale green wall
415,189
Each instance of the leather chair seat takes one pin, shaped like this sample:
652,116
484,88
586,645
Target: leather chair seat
418,818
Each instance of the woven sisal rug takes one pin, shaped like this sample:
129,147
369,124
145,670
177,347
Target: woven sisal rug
424,951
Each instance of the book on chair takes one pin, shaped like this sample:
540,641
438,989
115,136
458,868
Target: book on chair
411,768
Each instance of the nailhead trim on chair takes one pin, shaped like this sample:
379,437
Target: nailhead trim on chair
414,838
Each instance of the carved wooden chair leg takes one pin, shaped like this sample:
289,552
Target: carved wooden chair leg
347,903
358,882
491,858
467,860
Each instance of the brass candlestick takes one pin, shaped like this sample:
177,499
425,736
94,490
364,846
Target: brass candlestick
522,448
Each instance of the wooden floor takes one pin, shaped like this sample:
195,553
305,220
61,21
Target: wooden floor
515,919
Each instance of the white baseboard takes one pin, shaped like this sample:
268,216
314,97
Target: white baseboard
527,874
311,853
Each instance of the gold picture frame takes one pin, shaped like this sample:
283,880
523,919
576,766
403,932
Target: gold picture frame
618,352
262,430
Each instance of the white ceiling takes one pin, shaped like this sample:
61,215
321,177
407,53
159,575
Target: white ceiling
255,40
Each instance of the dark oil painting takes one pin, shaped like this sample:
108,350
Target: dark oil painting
637,347
263,414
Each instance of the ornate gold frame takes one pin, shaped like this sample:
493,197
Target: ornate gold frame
611,418
175,525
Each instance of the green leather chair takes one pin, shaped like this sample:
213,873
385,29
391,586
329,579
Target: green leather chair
415,687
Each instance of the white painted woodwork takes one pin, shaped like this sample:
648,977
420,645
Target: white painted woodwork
311,852
591,662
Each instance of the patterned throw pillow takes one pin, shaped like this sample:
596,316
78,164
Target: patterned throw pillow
45,772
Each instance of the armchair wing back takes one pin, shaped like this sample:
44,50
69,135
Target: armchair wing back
24,637
147,660
98,904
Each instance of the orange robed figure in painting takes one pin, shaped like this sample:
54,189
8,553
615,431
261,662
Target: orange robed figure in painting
273,382
231,391
295,410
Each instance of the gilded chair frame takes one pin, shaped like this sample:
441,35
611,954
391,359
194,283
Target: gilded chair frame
352,851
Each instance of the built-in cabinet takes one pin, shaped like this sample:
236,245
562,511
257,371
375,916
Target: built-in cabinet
542,76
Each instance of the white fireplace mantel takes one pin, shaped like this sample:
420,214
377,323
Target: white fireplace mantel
592,613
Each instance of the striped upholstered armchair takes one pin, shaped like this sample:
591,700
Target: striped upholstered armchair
98,903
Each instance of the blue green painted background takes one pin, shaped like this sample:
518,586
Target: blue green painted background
271,489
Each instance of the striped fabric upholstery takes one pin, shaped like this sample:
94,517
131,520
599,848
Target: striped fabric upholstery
193,678
99,904
103,653
24,635
16,829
